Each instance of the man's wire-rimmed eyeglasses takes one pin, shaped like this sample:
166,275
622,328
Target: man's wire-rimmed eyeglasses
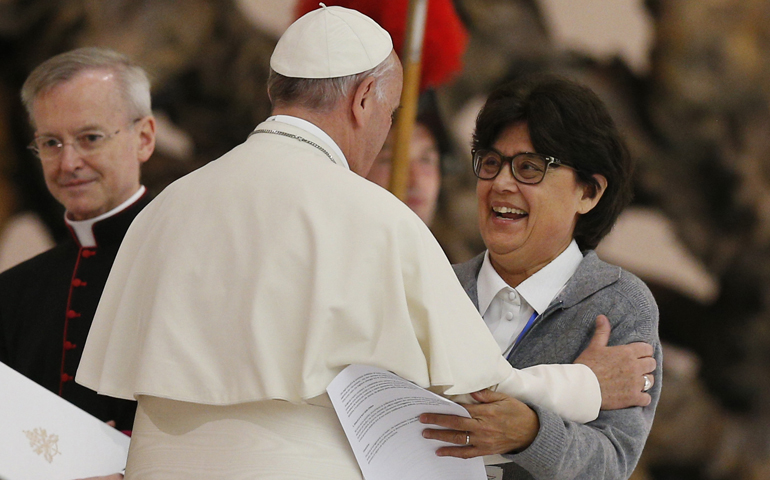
46,147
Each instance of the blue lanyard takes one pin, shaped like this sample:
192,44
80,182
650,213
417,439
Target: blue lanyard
523,332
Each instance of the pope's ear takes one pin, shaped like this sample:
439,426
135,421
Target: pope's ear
363,101
592,194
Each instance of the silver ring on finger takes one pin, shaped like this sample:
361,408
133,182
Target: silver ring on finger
647,383
467,438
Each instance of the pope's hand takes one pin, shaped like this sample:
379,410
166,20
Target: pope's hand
620,369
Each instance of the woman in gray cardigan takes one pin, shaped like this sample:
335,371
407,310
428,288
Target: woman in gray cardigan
554,175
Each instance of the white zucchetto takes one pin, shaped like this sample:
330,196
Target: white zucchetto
330,42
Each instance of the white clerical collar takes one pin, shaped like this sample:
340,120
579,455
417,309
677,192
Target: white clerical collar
313,130
84,228
539,289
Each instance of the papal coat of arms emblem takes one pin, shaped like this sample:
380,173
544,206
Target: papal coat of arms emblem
43,443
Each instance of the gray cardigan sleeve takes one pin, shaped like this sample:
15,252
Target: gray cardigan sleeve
610,446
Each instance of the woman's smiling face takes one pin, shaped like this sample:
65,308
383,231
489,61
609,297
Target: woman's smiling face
526,226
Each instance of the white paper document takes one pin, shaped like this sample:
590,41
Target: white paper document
379,412
43,436
494,473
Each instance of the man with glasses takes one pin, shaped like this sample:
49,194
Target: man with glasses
91,112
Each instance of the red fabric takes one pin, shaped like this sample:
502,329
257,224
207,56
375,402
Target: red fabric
445,36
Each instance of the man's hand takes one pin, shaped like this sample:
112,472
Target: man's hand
620,370
499,424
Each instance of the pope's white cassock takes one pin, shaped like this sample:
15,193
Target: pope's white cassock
251,282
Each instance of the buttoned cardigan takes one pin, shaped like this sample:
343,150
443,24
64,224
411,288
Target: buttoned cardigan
610,446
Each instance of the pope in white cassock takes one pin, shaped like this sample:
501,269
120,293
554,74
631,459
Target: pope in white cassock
246,286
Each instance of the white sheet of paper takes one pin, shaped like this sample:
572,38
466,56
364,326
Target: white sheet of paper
495,459
42,436
494,473
379,412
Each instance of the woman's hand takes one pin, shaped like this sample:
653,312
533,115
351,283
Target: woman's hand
498,424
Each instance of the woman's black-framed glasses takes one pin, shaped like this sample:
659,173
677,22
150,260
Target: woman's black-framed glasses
527,167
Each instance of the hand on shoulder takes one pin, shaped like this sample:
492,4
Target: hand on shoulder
621,370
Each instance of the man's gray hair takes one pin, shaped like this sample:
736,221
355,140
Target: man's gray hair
323,94
132,81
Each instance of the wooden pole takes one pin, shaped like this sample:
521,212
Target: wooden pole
405,118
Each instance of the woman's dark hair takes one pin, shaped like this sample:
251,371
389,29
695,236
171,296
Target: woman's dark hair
568,121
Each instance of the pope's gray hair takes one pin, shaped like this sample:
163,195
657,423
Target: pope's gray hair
133,83
323,94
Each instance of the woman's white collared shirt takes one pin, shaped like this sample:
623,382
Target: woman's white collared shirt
506,310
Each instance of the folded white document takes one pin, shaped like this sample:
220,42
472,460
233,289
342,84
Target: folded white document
43,436
379,413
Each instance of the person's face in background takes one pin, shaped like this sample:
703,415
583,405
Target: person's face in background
424,171
90,105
